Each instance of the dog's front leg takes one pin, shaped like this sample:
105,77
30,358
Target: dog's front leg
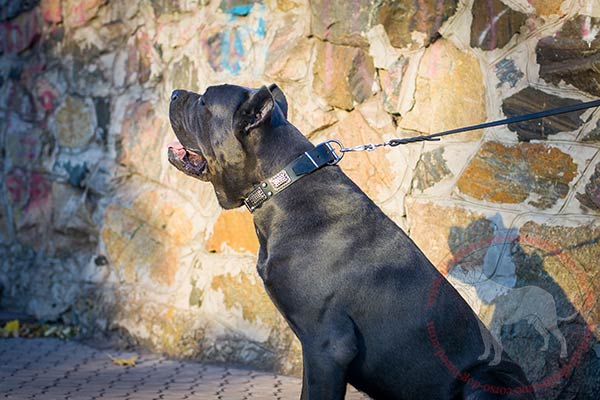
326,356
322,378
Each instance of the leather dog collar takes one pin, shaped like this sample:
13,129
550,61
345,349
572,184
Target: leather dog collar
310,161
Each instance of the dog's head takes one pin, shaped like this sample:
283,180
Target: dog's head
222,133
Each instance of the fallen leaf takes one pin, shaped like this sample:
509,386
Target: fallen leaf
12,327
125,362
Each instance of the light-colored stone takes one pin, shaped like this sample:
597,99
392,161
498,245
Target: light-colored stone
78,12
370,171
75,122
445,231
51,10
343,75
449,92
141,139
144,241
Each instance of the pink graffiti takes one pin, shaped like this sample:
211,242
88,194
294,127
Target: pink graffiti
328,65
28,190
47,95
78,16
51,11
19,34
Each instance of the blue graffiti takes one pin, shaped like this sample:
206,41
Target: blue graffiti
507,72
241,10
234,40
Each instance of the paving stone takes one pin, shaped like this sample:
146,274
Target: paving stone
97,378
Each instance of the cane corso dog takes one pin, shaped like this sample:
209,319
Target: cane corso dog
367,306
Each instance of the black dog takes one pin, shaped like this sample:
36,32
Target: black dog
366,304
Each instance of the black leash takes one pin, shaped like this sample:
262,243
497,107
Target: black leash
325,154
436,136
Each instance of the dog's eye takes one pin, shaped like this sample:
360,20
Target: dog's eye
201,101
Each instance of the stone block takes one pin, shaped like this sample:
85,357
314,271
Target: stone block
494,24
408,24
547,7
414,24
234,228
372,172
446,231
590,198
139,58
391,81
51,10
141,141
530,100
289,55
79,12
340,22
75,122
430,169
162,7
343,75
247,293
449,82
593,136
572,55
72,225
184,75
21,32
24,145
560,257
145,240
535,174
237,47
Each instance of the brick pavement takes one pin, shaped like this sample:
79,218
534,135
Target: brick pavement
55,369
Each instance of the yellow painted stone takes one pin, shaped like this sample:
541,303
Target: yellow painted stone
512,174
234,228
246,293
546,7
75,122
449,93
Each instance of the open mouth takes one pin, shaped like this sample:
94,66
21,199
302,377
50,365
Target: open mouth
189,162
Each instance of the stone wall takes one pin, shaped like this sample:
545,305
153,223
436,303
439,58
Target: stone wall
97,230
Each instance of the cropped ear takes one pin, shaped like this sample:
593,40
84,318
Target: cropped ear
279,98
255,111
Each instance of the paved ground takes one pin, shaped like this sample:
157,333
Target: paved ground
55,369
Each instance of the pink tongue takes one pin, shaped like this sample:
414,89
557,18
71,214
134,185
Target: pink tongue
175,145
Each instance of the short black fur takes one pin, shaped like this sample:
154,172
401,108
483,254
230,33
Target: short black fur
351,284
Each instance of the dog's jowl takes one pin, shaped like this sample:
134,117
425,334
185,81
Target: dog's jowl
366,304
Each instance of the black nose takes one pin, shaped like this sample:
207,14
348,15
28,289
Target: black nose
177,94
